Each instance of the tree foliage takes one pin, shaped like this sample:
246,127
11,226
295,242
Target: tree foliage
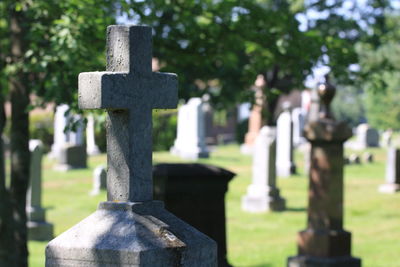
380,67
219,47
44,45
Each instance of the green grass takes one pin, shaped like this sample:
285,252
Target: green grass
253,239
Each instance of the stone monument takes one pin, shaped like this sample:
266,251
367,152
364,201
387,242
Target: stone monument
38,228
190,142
60,137
325,242
392,184
387,138
99,180
367,136
68,148
91,147
262,194
298,119
130,229
196,193
255,119
285,165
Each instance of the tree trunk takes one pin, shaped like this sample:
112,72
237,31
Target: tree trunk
7,244
19,147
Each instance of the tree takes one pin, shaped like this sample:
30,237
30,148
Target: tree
50,43
219,47
379,72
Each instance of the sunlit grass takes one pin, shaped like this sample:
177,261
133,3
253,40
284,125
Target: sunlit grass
253,239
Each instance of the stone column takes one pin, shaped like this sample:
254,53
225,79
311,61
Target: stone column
325,242
91,147
392,184
38,228
285,165
263,195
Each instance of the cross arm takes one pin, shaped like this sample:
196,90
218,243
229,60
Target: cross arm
107,90
165,90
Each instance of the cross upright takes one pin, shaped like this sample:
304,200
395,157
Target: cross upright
128,90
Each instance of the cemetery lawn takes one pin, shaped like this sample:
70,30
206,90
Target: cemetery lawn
254,240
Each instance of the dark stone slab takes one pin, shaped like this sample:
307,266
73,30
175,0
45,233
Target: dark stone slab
196,194
72,157
307,261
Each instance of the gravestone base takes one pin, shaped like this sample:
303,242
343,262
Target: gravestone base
132,234
285,170
246,149
389,188
40,231
93,151
191,154
270,201
308,261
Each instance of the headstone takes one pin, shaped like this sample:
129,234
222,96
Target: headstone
99,180
387,138
60,137
38,228
313,113
63,136
263,194
392,184
255,123
367,136
130,229
298,119
196,194
91,147
368,157
325,242
354,159
190,141
284,144
72,157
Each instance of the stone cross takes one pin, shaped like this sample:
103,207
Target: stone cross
128,90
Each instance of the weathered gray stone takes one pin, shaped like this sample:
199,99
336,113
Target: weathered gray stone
263,195
99,180
325,242
285,165
131,234
38,228
392,184
130,229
